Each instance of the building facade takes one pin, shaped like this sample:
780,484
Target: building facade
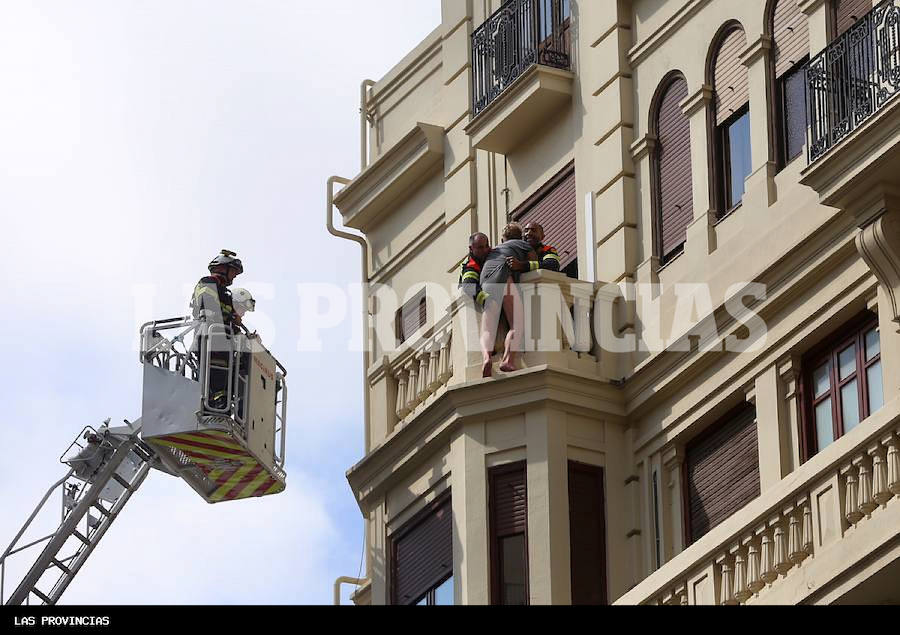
719,424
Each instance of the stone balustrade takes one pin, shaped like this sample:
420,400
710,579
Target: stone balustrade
768,555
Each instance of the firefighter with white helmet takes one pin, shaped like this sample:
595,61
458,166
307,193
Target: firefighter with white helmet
243,302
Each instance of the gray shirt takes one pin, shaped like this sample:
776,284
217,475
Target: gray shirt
495,270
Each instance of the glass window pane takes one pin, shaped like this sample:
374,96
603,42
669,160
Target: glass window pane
850,406
423,601
794,94
443,595
824,428
876,388
512,550
822,380
873,344
738,158
847,362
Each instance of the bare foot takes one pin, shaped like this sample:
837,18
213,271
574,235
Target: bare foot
486,368
508,368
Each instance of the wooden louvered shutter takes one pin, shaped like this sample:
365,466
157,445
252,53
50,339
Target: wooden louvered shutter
412,316
423,553
722,470
848,12
587,534
673,156
730,76
509,517
553,206
791,32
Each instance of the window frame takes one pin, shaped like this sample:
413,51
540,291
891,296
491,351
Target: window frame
496,558
444,498
781,127
852,333
421,300
723,161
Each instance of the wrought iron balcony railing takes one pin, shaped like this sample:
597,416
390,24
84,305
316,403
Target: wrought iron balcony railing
853,78
520,34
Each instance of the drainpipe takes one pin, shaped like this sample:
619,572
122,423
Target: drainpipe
363,123
364,273
344,580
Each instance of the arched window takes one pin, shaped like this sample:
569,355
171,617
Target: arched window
790,33
672,168
731,117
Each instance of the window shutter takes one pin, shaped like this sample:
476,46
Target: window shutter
673,156
722,471
587,528
423,553
730,76
848,12
413,316
553,206
510,502
790,29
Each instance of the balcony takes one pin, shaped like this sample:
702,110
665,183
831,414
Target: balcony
520,70
825,532
854,119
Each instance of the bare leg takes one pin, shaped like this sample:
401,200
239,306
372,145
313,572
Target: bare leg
512,308
489,322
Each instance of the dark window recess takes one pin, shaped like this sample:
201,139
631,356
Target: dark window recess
411,316
847,13
842,383
672,171
734,153
422,557
792,93
553,206
721,471
587,528
656,529
509,534
790,29
731,152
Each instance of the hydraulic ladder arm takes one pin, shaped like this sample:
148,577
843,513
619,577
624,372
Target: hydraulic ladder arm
101,480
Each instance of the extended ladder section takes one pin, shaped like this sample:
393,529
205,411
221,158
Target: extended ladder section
106,468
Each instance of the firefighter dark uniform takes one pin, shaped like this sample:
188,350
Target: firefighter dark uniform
212,302
470,282
213,297
547,259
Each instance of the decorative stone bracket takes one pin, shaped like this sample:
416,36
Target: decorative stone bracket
878,242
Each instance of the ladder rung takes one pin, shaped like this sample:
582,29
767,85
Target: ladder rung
80,537
43,597
101,509
121,481
62,567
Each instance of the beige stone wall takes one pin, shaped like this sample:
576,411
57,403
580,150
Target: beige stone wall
780,236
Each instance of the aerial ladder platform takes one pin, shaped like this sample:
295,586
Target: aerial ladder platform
214,414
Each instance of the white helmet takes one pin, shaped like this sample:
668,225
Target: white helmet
242,301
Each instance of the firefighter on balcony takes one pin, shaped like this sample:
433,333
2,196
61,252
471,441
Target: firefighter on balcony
548,258
212,302
470,277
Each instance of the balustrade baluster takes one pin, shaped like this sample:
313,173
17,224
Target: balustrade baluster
893,464
881,493
434,372
412,385
741,591
851,500
782,563
754,574
866,503
727,582
402,402
807,529
768,574
796,553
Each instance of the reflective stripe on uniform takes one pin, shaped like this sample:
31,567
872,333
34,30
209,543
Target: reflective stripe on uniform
471,275
553,256
482,297
533,265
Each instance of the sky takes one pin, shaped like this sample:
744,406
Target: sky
137,139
